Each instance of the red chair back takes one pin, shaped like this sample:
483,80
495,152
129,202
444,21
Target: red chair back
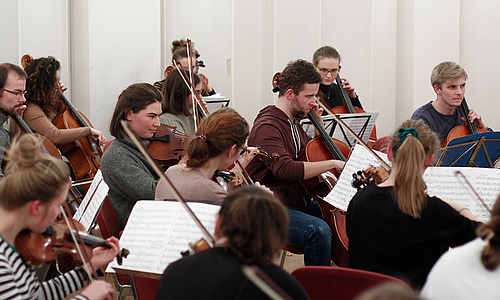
145,288
107,145
339,283
107,219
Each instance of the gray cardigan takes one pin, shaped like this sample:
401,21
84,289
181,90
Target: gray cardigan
129,176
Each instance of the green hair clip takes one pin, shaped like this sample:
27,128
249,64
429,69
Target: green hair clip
403,132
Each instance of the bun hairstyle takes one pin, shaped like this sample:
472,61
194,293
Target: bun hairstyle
490,256
411,144
31,174
222,129
254,223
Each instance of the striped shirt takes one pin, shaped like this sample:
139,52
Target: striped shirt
19,281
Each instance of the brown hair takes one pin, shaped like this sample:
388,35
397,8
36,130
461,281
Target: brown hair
446,70
175,93
6,68
490,256
134,98
323,52
42,84
255,224
222,129
296,74
31,174
178,44
409,155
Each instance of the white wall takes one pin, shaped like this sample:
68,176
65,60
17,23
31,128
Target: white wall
388,47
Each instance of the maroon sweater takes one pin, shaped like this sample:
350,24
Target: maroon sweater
272,131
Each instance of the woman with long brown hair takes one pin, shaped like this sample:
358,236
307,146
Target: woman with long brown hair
395,228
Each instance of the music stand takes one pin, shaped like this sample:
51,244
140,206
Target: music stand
475,150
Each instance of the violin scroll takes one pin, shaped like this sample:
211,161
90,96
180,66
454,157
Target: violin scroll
371,174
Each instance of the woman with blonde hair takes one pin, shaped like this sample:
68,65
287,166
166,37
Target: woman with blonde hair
395,228
31,194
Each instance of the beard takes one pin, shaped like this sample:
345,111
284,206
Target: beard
299,114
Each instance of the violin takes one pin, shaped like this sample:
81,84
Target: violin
347,107
462,130
370,175
84,155
56,243
167,145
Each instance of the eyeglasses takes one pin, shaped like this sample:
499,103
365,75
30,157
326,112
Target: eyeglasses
243,151
17,94
324,72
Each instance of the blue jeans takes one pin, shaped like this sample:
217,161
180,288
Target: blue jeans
309,232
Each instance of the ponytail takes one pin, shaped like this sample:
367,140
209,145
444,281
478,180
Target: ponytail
411,145
490,232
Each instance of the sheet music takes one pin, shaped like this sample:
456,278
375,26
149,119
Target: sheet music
158,231
360,159
359,123
87,211
441,182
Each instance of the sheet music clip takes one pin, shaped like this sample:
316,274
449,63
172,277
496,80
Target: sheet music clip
475,150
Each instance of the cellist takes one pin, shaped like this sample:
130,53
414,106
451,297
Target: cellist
277,130
44,103
448,80
326,60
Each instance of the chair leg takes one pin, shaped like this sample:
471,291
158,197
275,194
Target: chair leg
283,256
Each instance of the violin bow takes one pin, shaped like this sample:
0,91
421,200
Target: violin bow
171,187
264,283
465,182
358,139
191,77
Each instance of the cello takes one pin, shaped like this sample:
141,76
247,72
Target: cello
347,107
84,155
462,130
323,148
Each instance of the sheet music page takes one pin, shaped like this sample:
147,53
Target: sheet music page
87,211
441,182
354,121
360,159
158,231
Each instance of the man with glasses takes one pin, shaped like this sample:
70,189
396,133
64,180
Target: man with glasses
12,91
326,60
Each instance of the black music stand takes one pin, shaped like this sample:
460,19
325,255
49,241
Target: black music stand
475,150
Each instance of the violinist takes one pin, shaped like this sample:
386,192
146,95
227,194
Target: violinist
126,171
442,115
35,208
277,130
250,229
177,106
12,91
217,144
474,266
395,228
326,60
44,103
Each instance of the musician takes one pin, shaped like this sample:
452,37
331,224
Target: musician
250,230
177,106
474,266
442,115
180,54
277,130
326,60
126,171
395,228
12,90
218,143
35,208
44,103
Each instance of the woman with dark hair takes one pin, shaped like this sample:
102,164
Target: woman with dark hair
177,108
218,143
125,170
32,191
470,271
44,103
250,230
395,228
